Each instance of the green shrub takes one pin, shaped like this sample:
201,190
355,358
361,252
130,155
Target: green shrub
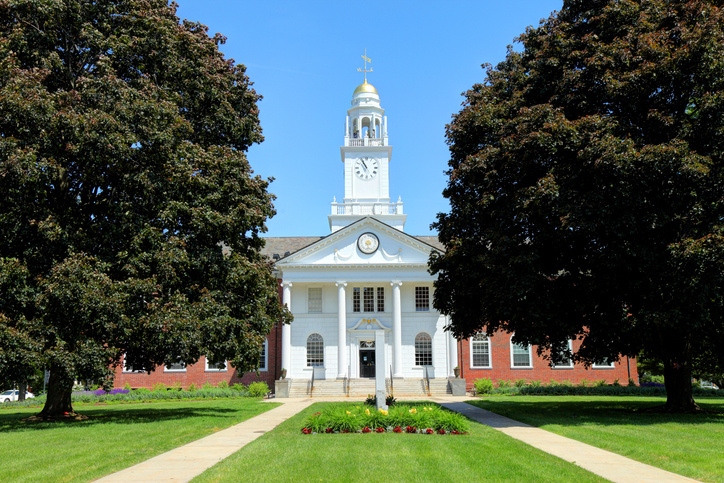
257,389
192,387
536,383
483,386
159,386
503,384
583,383
127,387
600,383
521,383
223,384
207,386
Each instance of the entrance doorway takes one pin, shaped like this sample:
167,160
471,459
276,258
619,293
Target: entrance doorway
367,359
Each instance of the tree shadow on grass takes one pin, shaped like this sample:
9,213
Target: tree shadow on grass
115,415
599,412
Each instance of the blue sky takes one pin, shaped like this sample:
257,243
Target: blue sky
303,58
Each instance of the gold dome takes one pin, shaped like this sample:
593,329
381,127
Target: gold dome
365,88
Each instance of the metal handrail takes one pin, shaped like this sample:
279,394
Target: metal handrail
349,382
311,389
427,380
392,386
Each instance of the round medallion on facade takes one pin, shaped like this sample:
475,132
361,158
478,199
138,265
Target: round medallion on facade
366,168
368,243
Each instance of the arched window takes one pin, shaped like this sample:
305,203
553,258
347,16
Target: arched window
315,351
480,350
423,350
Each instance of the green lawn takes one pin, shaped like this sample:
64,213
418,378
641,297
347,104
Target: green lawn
115,436
690,445
286,455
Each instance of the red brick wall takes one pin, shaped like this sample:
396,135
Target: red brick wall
197,374
541,370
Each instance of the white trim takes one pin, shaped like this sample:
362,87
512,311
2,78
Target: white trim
211,369
570,359
530,356
130,371
266,357
490,353
611,365
166,369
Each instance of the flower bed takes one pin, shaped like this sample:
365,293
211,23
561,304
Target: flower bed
424,419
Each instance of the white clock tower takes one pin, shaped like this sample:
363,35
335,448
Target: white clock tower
366,156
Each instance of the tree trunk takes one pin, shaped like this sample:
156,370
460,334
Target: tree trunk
679,395
22,389
58,404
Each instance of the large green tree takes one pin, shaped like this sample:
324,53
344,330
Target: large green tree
586,188
130,218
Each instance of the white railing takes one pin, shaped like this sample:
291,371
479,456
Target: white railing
361,208
366,141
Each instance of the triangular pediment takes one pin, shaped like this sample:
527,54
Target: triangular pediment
354,245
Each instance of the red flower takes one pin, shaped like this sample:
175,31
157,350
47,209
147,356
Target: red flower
366,429
429,431
306,431
329,430
411,429
397,429
441,431
380,430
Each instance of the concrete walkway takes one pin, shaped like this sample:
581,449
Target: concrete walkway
611,466
186,462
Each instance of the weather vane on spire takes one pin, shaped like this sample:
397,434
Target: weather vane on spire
367,59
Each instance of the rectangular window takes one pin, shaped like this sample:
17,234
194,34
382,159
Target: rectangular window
355,300
604,364
262,357
480,350
564,360
175,367
369,299
128,368
220,367
314,300
422,299
521,355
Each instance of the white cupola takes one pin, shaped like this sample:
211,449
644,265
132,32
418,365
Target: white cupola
366,155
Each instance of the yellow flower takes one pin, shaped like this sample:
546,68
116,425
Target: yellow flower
349,412
367,412
383,411
413,410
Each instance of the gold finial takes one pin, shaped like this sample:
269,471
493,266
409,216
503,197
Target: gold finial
367,59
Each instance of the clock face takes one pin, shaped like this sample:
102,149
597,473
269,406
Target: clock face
368,243
366,168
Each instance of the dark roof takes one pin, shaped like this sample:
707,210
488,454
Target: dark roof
283,244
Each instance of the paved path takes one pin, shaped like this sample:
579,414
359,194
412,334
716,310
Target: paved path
186,462
603,463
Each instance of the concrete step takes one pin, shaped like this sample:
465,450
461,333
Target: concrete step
366,387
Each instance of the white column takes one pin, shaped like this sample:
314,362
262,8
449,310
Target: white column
452,350
342,330
396,330
287,329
